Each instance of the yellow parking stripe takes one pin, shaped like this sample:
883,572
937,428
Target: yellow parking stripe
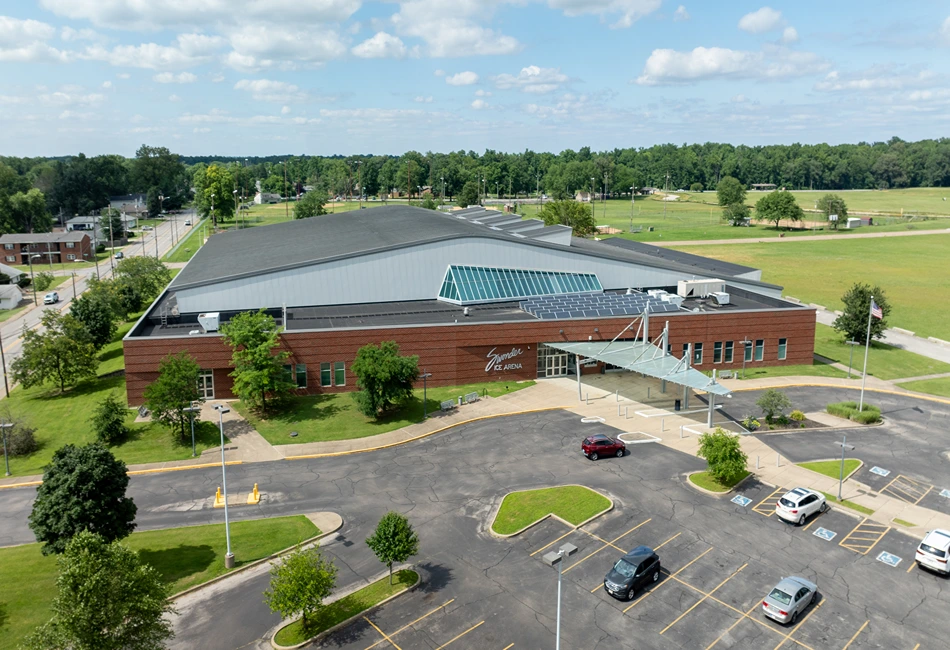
606,544
767,505
655,549
554,542
672,575
864,537
913,563
459,636
698,602
788,637
383,633
848,644
511,645
738,620
921,499
408,625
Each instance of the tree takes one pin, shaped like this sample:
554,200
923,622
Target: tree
107,599
159,168
300,583
778,206
93,309
83,488
214,186
737,214
429,203
144,276
61,352
578,216
108,420
394,540
772,402
310,204
833,204
383,377
724,456
112,223
42,281
175,390
29,213
853,321
258,370
469,195
729,191
696,187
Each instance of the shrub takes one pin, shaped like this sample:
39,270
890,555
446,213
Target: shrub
751,423
841,409
723,454
797,416
696,187
866,416
772,403
21,441
782,420
43,281
108,420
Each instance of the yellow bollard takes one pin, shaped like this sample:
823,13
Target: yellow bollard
254,497
218,499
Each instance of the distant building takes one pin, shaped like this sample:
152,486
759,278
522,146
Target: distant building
764,187
582,197
136,204
10,296
647,190
261,198
11,273
87,223
55,247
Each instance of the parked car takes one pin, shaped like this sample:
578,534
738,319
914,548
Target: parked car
599,445
119,255
187,222
934,550
788,599
51,298
147,228
634,571
800,504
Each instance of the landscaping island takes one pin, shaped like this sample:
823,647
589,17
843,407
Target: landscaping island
574,504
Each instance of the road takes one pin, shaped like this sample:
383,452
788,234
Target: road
165,234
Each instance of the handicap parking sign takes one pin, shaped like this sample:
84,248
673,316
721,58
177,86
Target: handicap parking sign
741,500
880,471
825,534
945,493
888,558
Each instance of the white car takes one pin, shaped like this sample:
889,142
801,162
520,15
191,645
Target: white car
933,551
799,504
51,298
188,222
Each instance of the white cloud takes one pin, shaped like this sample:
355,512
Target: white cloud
216,79
266,90
532,80
201,129
122,75
107,84
789,35
70,96
381,46
771,63
423,99
171,78
188,50
439,73
479,104
466,78
680,14
738,99
24,41
879,78
629,10
285,110
450,28
758,22
174,98
482,93
945,31
282,47
70,34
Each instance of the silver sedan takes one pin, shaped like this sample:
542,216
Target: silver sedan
789,598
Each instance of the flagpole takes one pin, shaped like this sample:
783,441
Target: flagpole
867,344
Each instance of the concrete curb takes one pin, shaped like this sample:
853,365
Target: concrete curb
272,634
255,563
903,393
550,515
837,460
716,494
139,472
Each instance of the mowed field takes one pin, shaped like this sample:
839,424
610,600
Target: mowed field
913,201
911,270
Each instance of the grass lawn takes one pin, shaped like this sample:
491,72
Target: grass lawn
345,608
184,556
830,498
322,418
571,503
832,468
884,361
816,369
707,482
190,245
908,268
939,387
917,200
904,522
7,314
66,266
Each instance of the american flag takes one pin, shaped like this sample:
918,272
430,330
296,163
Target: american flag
876,310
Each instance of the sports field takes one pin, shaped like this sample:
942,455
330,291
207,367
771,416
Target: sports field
914,201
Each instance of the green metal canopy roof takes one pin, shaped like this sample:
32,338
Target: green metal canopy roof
644,358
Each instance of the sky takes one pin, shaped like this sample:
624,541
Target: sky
324,77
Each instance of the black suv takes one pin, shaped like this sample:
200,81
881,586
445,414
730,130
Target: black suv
632,572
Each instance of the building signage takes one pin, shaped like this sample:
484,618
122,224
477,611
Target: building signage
502,362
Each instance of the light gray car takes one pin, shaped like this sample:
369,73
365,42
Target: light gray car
789,599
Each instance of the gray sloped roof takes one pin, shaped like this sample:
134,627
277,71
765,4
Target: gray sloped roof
42,237
704,264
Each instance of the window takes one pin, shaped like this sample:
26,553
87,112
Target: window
717,352
697,354
206,384
759,349
9,247
782,348
325,378
296,374
748,350
685,350
728,351
339,373
11,258
70,256
70,244
472,284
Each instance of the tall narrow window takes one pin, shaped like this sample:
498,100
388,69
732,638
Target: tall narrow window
782,346
759,349
717,352
728,352
325,375
300,375
339,373
697,354
748,350
685,350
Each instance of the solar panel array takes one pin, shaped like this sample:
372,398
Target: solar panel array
586,305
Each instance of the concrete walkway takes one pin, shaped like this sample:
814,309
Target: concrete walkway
775,239
896,338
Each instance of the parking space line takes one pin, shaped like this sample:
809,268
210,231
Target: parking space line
788,637
738,620
606,544
697,604
672,575
864,537
911,567
604,541
408,625
382,633
907,489
511,645
922,497
454,639
554,542
657,548
768,503
848,644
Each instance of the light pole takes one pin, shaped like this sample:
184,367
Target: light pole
844,446
746,343
32,279
425,403
214,224
3,360
633,193
555,559
592,196
229,557
191,410
442,178
851,343
6,459
537,191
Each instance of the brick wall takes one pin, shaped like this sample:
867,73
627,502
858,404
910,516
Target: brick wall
460,354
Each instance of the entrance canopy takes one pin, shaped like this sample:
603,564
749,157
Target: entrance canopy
645,358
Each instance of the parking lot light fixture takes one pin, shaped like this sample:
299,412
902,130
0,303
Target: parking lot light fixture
229,557
851,343
844,447
3,429
556,559
425,403
191,410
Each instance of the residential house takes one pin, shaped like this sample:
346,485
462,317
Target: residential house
261,198
88,223
130,204
10,296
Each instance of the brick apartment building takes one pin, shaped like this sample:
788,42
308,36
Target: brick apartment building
58,247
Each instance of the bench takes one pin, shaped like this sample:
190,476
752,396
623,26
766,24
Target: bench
637,229
448,405
471,398
143,411
726,374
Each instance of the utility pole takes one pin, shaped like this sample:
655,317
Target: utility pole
286,206
359,179
111,241
442,178
537,191
606,185
74,291
409,181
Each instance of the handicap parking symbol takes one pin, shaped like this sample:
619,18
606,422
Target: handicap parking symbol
888,558
825,534
741,500
880,471
945,493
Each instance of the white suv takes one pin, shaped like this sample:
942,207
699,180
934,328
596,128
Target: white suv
933,551
799,504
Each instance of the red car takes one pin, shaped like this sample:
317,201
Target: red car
599,445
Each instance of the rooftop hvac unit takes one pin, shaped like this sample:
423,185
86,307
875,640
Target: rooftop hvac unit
699,288
656,293
210,321
721,297
673,300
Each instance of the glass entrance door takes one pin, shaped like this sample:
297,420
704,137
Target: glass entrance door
556,365
206,384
